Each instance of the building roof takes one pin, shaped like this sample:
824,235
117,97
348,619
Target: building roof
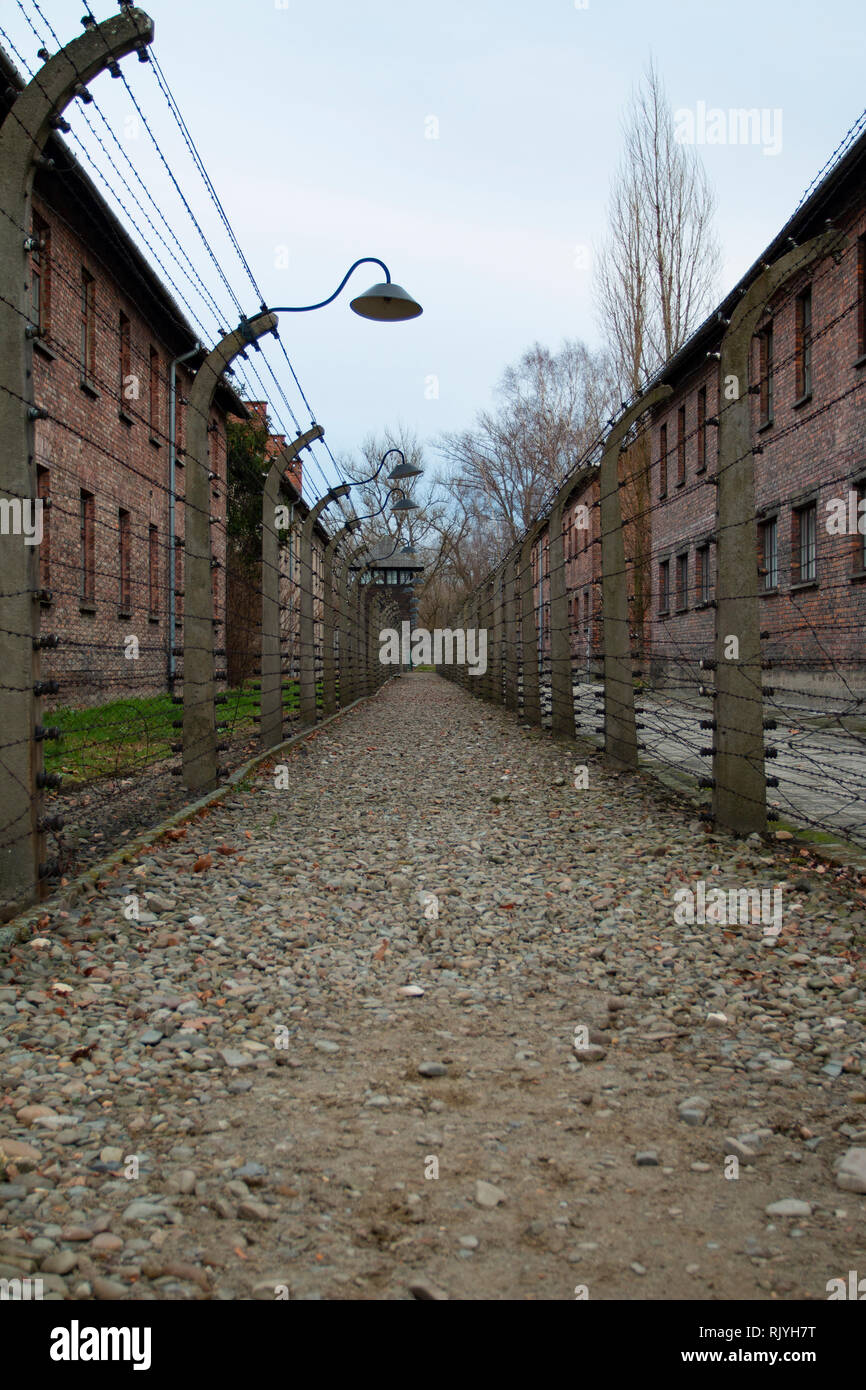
92,220
381,557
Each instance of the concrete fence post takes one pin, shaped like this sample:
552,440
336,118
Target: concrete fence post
199,723
347,630
332,622
510,632
739,779
307,698
484,622
620,733
494,657
271,703
561,678
23,136
529,639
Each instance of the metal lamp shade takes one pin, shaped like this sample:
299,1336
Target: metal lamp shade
388,303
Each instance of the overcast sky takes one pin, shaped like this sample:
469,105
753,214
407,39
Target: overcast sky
315,120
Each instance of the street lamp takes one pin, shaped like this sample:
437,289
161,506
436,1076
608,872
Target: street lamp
384,302
399,474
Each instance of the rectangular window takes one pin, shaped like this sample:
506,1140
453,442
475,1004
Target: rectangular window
702,430
768,556
87,559
861,296
683,581
803,344
87,340
804,544
40,275
153,571
665,586
681,445
43,491
126,384
663,461
765,370
124,596
153,395
702,573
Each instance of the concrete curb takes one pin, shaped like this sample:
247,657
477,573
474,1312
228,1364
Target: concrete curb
18,928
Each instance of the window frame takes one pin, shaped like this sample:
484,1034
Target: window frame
803,308
766,344
664,586
770,519
87,547
808,507
124,562
681,580
153,572
702,430
663,460
87,329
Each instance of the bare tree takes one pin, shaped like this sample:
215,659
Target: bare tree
655,280
550,409
656,270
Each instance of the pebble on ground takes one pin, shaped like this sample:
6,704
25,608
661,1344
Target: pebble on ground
422,1024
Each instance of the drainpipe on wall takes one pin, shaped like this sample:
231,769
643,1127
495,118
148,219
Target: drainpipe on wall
172,462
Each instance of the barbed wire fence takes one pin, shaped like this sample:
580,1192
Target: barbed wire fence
98,737
787,746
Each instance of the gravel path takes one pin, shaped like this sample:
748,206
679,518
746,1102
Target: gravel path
234,1096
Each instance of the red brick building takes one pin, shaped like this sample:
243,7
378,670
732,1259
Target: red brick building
108,333
807,409
806,393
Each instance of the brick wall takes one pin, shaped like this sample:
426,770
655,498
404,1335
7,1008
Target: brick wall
108,439
813,449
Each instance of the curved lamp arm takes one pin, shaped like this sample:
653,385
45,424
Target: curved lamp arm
363,481
305,308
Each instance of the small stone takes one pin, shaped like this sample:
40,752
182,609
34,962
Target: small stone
158,903
693,1110
233,1058
426,1292
105,1243
108,1289
61,1262
789,1206
256,1211
638,1268
738,1149
851,1172
432,1069
487,1194
325,1045
469,1242
29,1113
143,1211
17,1149
647,1158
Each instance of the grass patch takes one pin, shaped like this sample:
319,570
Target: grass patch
124,736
